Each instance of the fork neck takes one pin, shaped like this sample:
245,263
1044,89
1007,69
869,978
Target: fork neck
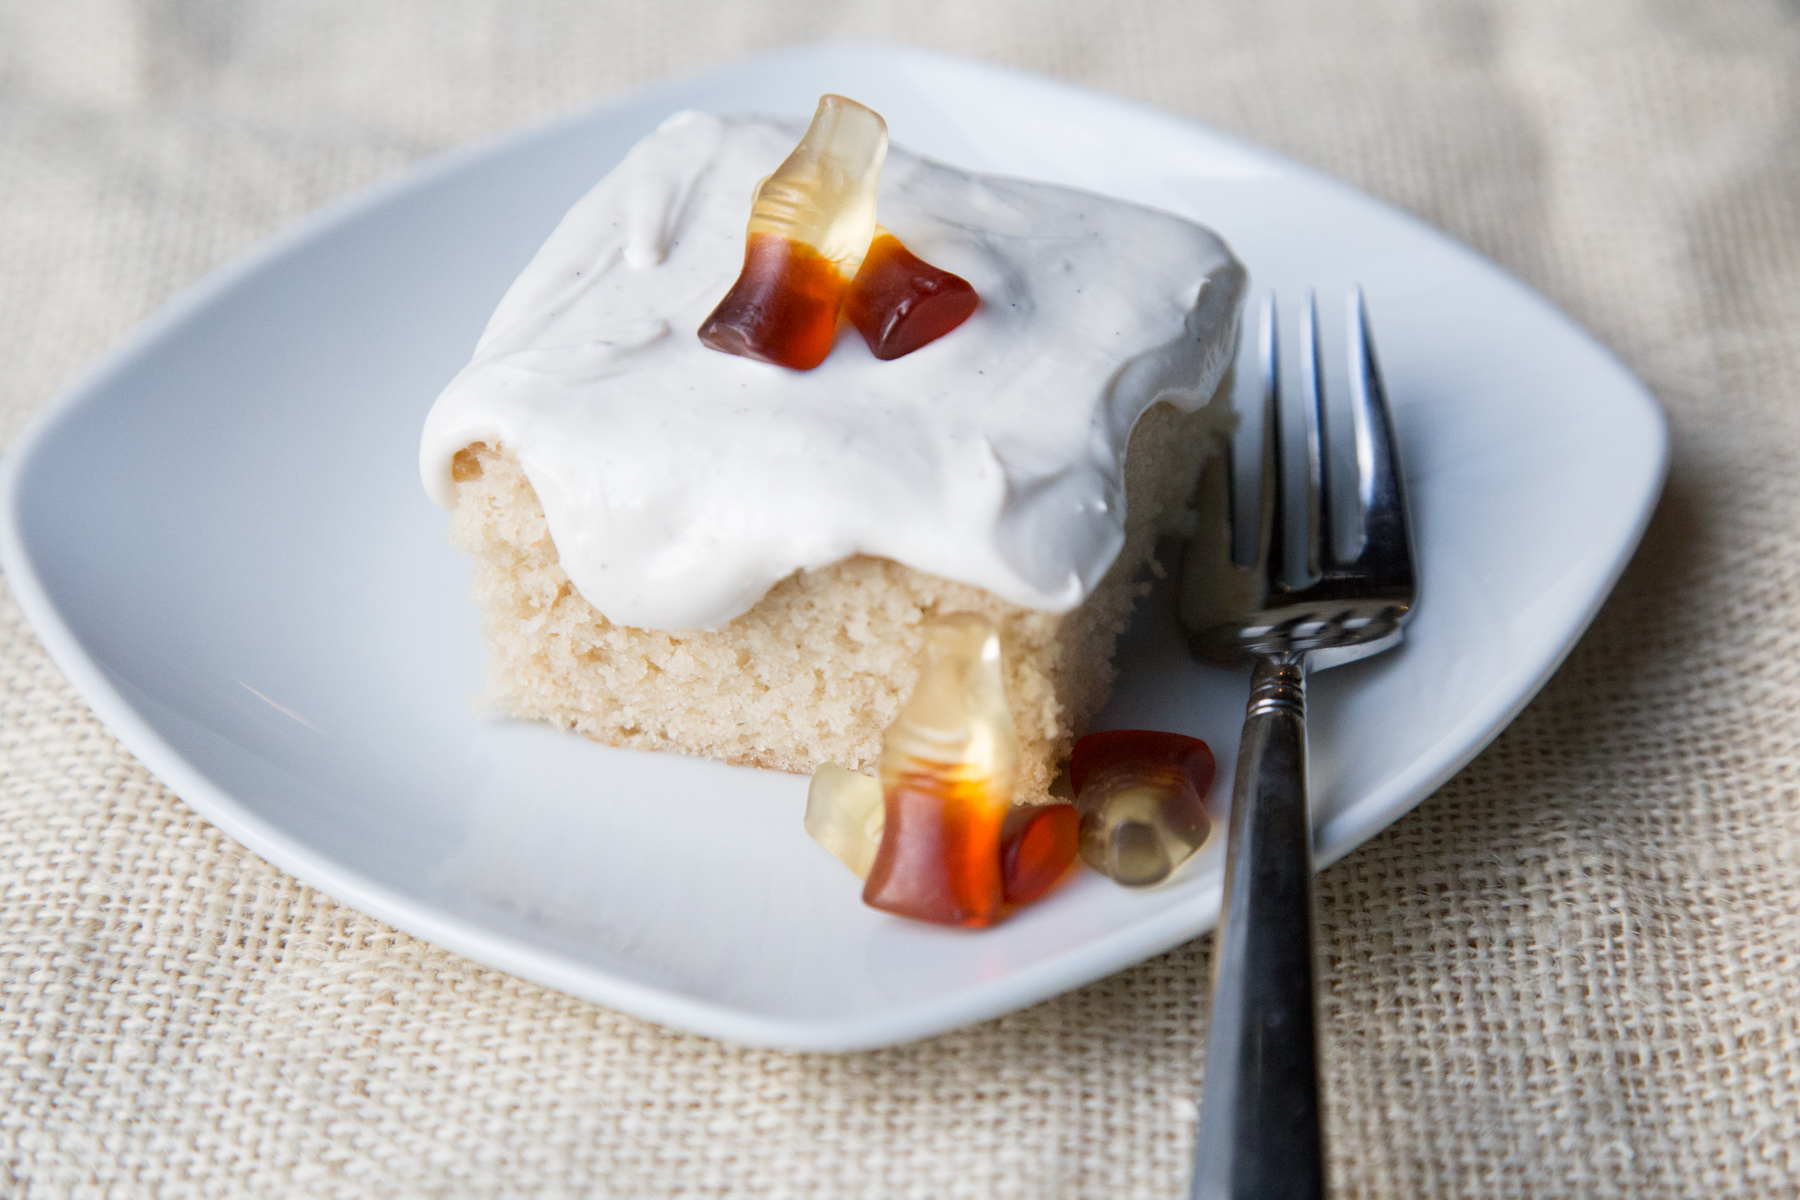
1278,685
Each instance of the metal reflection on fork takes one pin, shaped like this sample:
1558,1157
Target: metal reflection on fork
1260,1116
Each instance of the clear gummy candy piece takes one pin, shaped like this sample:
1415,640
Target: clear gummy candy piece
844,814
810,226
823,194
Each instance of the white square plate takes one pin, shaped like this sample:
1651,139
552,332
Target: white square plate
221,537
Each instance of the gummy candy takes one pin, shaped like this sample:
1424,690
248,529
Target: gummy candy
949,763
1140,795
936,837
844,814
783,307
1037,848
1038,843
899,302
810,226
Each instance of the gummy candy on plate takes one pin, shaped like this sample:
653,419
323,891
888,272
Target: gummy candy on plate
937,836
1141,795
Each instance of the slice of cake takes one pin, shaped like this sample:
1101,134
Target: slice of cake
678,549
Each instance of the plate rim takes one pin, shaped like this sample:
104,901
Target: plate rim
1151,935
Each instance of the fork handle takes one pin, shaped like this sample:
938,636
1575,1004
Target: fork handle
1259,1116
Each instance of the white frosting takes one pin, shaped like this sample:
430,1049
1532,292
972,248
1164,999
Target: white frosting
680,483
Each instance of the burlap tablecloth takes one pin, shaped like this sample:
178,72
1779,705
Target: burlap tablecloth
1573,971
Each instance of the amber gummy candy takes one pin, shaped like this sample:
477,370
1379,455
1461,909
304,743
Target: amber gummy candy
1038,845
949,764
1141,795
783,308
810,226
899,302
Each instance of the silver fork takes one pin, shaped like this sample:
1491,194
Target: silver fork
1259,1118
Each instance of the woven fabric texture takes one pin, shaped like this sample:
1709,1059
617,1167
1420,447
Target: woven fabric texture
1574,971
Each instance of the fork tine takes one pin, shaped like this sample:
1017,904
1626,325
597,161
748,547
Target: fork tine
1386,555
1271,539
1319,555
1222,566
1357,606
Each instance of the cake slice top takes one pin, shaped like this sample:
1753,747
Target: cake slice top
679,484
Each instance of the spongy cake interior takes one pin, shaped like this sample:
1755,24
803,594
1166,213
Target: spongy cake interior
818,668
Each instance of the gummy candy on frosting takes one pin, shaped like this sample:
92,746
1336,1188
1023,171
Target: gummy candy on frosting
813,248
899,302
810,226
